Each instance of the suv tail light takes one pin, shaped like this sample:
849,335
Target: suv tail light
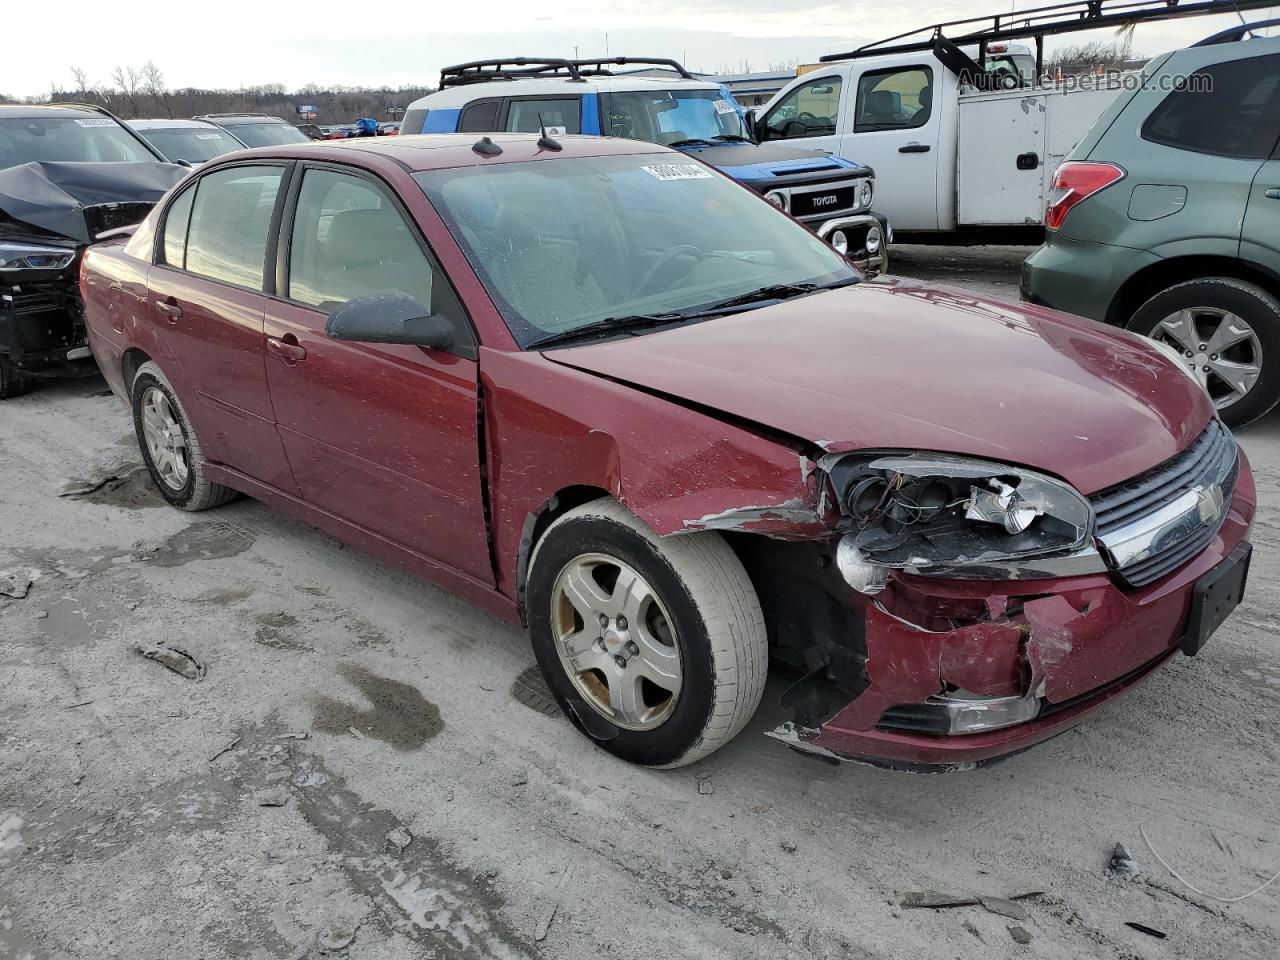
1076,181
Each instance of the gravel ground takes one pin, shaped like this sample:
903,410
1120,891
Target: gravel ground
362,771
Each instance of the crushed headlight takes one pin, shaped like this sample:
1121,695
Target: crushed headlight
951,516
32,256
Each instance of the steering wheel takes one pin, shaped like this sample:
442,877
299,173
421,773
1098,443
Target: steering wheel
806,116
683,250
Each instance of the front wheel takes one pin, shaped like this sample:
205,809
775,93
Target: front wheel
1225,329
654,647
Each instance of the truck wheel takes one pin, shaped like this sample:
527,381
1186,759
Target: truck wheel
1224,329
13,382
169,445
654,647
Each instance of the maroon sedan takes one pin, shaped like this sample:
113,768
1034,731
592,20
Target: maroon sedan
602,390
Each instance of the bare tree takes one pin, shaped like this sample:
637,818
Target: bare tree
153,86
128,81
81,79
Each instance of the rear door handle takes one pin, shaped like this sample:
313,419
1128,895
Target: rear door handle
289,352
170,310
914,148
1273,193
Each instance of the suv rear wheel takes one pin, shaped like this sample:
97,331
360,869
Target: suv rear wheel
655,647
1224,329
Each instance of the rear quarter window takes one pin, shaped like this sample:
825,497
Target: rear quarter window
1228,109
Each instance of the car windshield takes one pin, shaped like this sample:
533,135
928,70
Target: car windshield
267,134
193,144
565,244
74,139
672,116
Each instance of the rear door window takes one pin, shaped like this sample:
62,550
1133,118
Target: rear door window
176,221
479,117
1228,109
560,116
230,220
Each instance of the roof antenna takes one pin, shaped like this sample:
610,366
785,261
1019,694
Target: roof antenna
486,147
545,141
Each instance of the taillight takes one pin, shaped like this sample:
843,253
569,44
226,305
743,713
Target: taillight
1076,181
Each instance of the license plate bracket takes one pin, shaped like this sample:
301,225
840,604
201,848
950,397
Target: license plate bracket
1216,594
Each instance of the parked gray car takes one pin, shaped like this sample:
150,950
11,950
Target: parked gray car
1165,219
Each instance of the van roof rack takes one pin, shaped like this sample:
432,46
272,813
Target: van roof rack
1041,22
596,66
511,68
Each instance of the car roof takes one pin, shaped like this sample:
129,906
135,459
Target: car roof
217,118
457,96
168,124
33,111
438,151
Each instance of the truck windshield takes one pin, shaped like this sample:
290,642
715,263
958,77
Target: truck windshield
672,116
566,243
193,144
71,139
267,134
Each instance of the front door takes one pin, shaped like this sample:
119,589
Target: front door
810,114
206,293
382,435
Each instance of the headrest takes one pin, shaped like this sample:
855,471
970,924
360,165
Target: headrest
360,236
881,103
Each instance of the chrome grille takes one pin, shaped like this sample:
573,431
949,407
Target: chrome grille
1141,508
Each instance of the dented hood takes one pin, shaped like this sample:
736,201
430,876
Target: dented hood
54,197
904,365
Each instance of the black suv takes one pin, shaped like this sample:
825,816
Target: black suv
68,174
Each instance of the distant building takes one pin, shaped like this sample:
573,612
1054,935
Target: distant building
755,89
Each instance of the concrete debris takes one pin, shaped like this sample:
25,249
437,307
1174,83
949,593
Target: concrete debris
15,584
399,838
339,935
705,787
179,661
789,846
544,923
932,898
296,735
1149,931
520,779
275,797
355,733
1020,935
1122,865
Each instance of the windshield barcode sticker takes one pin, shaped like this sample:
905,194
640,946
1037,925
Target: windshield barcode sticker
676,171
723,106
208,136
96,122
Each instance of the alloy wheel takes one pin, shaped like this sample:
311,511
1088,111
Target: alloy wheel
1219,347
616,641
166,444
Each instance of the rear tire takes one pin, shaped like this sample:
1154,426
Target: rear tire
1201,306
693,593
13,382
169,445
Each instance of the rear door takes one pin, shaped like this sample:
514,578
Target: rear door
207,299
382,435
1260,239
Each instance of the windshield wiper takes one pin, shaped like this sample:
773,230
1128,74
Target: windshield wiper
733,138
774,291
607,325
691,142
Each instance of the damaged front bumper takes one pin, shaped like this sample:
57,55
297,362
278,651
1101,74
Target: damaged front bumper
950,673
42,331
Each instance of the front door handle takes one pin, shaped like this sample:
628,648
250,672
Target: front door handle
1273,193
914,148
287,349
170,310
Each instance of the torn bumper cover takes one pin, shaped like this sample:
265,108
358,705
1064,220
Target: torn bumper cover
956,672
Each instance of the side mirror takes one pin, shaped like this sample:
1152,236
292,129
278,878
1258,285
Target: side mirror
759,128
389,316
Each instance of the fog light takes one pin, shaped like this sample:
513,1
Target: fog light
777,198
859,572
874,239
840,242
979,714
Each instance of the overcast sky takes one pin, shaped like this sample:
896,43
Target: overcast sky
233,43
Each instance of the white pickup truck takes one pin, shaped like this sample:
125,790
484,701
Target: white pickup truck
947,155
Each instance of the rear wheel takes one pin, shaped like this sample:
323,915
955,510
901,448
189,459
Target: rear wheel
1228,332
654,647
13,382
169,445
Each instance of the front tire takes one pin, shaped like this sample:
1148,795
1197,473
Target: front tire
169,445
1225,329
654,647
